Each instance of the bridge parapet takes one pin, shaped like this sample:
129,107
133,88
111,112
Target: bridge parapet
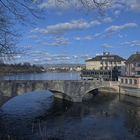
73,90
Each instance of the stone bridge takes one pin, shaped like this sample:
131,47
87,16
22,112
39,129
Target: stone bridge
72,90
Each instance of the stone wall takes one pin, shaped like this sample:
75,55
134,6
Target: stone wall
73,90
135,92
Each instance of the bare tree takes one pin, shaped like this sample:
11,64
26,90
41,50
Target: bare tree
12,11
6,35
99,5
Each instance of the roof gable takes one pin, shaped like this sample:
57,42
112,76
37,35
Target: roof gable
134,58
106,58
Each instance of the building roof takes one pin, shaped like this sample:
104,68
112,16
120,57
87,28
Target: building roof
106,57
134,58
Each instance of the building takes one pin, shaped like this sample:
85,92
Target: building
106,75
106,61
132,75
133,65
106,66
129,81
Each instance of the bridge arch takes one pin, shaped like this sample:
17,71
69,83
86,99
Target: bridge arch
72,90
60,95
101,89
104,88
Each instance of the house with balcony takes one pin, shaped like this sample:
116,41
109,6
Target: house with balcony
132,75
106,66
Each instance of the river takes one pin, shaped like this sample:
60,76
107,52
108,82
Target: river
43,76
39,116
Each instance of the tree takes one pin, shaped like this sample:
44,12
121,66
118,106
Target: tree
13,11
88,4
6,43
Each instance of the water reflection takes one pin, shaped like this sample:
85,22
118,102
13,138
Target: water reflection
101,118
43,76
28,105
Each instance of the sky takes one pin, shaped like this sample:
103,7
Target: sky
72,34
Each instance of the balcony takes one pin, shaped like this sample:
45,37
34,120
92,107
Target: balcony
137,68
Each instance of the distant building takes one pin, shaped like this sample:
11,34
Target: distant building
132,75
65,67
106,66
106,61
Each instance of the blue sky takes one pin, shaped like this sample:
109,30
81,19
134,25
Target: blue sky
71,35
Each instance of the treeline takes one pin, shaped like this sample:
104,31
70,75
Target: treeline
19,68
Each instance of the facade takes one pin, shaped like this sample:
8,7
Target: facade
132,75
106,75
133,65
129,81
104,67
106,61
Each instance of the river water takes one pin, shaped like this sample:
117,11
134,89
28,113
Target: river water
39,116
43,76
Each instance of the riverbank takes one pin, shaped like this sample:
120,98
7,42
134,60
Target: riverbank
6,69
129,91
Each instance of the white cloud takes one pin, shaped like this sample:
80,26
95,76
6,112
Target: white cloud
107,19
62,28
67,4
106,46
127,5
117,12
116,28
43,57
57,41
134,43
32,36
52,4
108,31
88,37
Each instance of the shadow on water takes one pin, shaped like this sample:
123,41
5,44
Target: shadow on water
21,117
102,117
97,97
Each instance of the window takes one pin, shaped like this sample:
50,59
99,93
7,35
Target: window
138,72
101,73
105,73
106,63
121,80
135,82
106,68
119,62
130,81
138,64
126,81
92,73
